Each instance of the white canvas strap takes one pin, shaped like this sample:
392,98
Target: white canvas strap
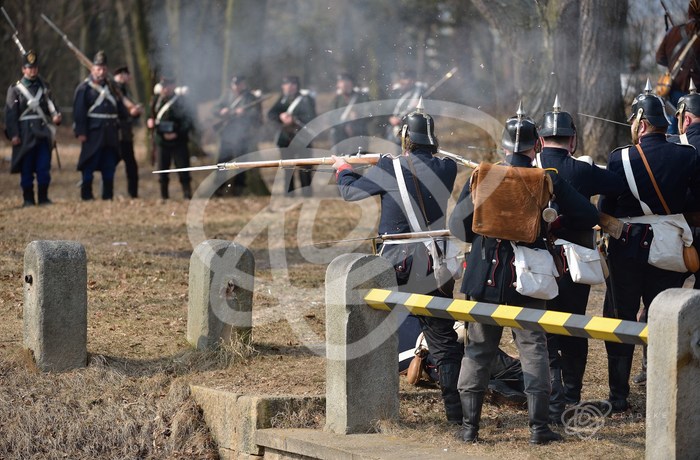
165,108
294,104
104,93
631,182
348,107
235,102
684,139
538,161
33,104
410,213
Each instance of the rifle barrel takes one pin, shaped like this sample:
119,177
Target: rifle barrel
79,54
371,158
603,119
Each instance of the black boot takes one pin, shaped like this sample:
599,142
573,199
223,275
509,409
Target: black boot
44,195
187,190
86,191
573,369
28,195
641,378
449,374
164,190
557,403
107,189
133,186
538,414
471,409
619,368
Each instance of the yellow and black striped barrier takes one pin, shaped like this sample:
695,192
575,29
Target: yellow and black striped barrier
554,322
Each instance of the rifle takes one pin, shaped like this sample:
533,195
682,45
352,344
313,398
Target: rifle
15,35
396,129
84,60
439,83
23,51
359,158
218,126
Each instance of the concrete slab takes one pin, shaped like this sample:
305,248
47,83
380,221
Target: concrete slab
316,444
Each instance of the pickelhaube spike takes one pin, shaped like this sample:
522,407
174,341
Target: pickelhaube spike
647,88
556,108
520,113
419,107
692,89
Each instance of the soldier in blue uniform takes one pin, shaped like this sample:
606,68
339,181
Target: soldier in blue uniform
676,171
490,277
292,111
172,123
29,114
96,113
568,355
352,125
428,184
238,124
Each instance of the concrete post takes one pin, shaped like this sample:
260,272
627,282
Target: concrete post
55,304
220,294
673,373
362,375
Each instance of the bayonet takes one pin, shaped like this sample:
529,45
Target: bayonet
15,35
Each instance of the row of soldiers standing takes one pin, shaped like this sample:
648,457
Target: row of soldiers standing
104,114
645,184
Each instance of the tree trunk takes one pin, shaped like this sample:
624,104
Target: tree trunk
125,36
600,66
531,31
226,66
172,9
144,73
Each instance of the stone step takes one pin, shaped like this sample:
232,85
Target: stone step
283,444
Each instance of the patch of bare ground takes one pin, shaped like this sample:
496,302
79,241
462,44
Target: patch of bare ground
132,399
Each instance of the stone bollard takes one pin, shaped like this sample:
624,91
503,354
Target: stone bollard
362,373
55,304
673,373
221,286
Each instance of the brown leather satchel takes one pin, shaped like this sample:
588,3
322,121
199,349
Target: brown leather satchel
508,201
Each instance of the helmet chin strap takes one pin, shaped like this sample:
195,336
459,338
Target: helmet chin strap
681,119
404,137
635,126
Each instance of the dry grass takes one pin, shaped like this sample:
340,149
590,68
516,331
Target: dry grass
132,400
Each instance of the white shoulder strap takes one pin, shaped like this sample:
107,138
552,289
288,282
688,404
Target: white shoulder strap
165,108
538,160
630,180
410,213
294,104
348,107
684,139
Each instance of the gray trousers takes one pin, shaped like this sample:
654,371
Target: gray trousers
482,346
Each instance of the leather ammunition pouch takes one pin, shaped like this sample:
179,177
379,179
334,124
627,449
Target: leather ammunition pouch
165,127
